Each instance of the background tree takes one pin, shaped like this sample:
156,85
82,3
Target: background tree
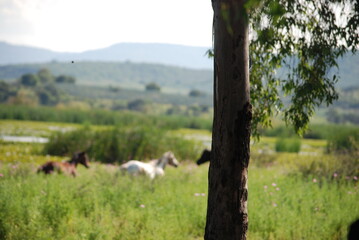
45,76
48,95
306,36
30,80
137,105
5,91
65,79
195,93
153,87
24,96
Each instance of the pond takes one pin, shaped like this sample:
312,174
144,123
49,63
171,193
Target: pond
27,139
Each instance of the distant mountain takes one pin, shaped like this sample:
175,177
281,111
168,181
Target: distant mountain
167,54
14,54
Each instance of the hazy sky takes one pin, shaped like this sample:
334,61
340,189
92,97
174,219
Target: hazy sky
78,25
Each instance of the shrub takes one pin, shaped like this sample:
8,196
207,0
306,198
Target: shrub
195,93
153,87
137,105
117,145
334,167
344,142
288,145
66,143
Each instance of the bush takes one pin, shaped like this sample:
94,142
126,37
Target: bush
62,144
346,142
288,145
153,87
118,145
337,167
195,93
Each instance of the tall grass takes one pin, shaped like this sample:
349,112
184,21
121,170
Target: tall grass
101,117
116,145
102,204
283,207
291,196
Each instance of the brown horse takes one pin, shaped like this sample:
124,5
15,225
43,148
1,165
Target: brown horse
68,167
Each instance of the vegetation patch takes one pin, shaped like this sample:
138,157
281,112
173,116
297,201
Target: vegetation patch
117,145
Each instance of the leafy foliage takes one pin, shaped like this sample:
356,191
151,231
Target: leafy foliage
307,37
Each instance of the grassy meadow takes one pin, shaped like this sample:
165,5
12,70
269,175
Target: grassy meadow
292,195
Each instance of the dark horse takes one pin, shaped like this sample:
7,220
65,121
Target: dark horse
353,233
68,167
205,157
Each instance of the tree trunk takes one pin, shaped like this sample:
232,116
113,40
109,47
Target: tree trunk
227,188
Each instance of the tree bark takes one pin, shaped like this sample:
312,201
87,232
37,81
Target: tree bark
227,188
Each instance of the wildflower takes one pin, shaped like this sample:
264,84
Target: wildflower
142,206
274,204
203,194
265,186
273,184
197,194
314,180
355,178
277,189
335,175
1,175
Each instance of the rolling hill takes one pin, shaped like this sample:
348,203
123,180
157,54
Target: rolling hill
175,68
124,74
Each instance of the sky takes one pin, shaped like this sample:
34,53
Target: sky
79,25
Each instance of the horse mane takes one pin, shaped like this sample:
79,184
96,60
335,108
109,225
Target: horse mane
164,159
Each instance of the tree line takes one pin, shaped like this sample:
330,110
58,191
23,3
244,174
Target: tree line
34,89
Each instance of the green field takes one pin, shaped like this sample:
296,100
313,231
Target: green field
290,194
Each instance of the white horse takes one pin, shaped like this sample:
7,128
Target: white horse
153,168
